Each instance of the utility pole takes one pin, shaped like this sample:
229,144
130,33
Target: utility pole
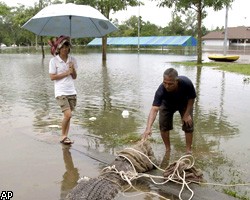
225,33
139,24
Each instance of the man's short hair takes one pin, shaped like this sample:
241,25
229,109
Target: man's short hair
171,72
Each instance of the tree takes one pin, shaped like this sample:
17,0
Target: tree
4,12
191,23
199,7
18,17
148,29
12,19
106,7
130,28
176,26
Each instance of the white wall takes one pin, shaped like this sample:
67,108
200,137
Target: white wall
214,42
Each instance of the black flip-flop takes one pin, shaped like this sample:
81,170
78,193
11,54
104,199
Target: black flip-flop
67,141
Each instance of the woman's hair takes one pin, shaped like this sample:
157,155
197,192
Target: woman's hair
57,43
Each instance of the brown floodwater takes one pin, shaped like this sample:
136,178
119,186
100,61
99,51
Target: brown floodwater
31,166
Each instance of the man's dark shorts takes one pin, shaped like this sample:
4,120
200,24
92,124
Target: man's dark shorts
166,119
66,102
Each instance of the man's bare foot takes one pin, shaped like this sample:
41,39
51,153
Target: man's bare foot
188,152
167,154
165,160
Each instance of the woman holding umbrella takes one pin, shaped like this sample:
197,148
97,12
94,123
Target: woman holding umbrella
62,70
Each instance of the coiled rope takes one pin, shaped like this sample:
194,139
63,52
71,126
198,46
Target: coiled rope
178,174
132,175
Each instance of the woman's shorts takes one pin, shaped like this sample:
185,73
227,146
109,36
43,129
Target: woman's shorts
66,102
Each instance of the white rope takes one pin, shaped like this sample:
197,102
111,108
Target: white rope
175,172
188,159
129,176
182,178
135,175
171,177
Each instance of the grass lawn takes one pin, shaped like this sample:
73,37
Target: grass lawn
230,66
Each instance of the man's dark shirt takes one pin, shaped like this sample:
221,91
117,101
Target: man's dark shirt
177,99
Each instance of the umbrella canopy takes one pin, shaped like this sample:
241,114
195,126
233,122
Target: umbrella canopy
76,21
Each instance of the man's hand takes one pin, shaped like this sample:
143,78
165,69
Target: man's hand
151,118
187,119
146,134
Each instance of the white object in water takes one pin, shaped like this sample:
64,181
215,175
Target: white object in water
125,114
54,126
92,118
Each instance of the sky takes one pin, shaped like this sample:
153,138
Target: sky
238,14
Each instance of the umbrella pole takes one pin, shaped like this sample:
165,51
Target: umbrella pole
70,26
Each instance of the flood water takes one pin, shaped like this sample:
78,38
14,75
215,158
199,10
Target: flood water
127,81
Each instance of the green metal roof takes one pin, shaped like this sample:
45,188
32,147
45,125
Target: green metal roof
147,41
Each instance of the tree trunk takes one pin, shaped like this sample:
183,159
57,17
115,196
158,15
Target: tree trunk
43,54
104,48
199,45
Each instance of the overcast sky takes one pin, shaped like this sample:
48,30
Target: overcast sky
238,15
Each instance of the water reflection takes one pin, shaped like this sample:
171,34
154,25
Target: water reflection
106,88
71,175
127,82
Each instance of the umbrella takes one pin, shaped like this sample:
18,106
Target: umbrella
69,19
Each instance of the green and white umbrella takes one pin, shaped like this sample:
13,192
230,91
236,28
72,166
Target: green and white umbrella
76,21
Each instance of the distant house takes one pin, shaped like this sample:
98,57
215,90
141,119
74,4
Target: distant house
236,36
